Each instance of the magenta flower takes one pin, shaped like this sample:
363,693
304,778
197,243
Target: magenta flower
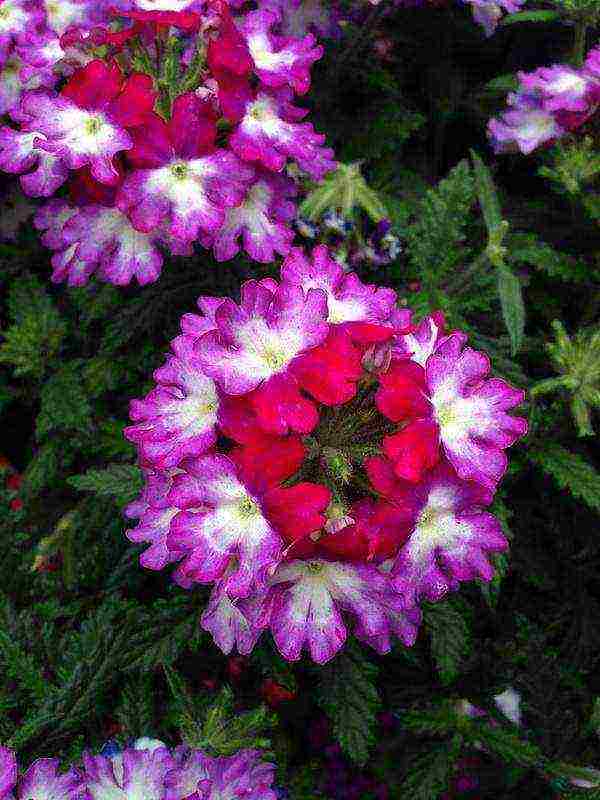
17,18
224,516
179,178
242,775
348,299
560,88
286,509
87,123
278,60
16,79
97,239
308,599
234,622
299,17
451,403
41,780
176,419
134,773
450,533
261,337
155,514
269,132
41,173
260,221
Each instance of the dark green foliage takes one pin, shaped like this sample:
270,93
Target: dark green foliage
348,694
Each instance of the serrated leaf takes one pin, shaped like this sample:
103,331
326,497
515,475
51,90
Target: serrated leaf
64,405
121,481
513,308
349,696
429,773
570,471
450,637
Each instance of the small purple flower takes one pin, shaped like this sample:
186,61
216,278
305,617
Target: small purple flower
524,126
132,773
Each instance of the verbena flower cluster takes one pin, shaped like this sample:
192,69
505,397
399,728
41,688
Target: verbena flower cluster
148,770
321,460
170,124
549,103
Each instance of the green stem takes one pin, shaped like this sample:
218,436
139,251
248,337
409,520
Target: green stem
579,43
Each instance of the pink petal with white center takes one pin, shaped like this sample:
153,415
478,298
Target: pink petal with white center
403,622
106,237
260,222
42,781
348,299
262,336
177,419
233,622
470,410
41,173
191,776
14,82
421,342
155,515
232,526
192,196
307,600
80,137
278,60
243,775
451,538
62,14
137,774
269,133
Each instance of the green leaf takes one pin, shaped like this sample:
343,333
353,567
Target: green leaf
506,744
531,16
64,403
121,481
429,773
450,637
513,308
348,695
570,471
486,193
37,332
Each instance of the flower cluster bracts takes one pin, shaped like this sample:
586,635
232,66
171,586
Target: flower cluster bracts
169,127
320,460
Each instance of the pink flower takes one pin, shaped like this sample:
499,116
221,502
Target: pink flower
179,177
348,299
279,61
450,533
177,418
309,598
451,402
269,132
97,239
87,124
134,773
41,173
261,221
225,516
